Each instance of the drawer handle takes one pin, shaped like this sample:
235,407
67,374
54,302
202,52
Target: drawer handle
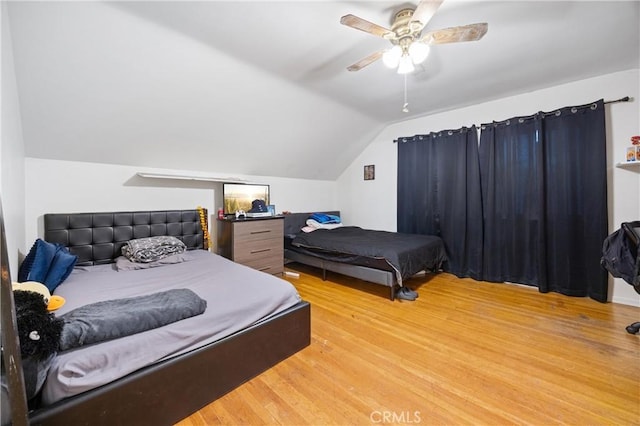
265,268
260,232
260,251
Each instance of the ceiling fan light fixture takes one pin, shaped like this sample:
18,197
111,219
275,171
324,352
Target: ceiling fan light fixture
406,34
391,58
406,65
418,52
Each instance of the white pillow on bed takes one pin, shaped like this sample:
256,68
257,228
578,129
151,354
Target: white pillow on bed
124,264
312,225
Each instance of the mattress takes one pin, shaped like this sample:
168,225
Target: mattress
237,297
348,258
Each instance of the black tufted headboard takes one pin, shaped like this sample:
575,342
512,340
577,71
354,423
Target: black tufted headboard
97,238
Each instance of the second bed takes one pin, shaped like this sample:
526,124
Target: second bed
381,257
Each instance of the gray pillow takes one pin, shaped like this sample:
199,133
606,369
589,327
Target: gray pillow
124,264
151,249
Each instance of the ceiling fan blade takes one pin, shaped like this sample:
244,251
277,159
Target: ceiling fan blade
363,25
425,11
471,32
365,61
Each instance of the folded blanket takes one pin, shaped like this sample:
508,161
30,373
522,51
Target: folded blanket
325,218
116,318
312,225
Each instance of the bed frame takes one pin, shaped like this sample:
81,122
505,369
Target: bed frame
166,392
293,222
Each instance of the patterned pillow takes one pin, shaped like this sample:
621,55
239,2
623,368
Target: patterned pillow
151,249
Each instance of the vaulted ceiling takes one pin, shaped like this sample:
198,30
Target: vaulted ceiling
261,88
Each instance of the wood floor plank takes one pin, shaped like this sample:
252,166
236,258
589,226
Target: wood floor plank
465,352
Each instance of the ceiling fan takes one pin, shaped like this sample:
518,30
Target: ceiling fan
410,44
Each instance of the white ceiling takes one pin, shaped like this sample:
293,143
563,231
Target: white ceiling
261,88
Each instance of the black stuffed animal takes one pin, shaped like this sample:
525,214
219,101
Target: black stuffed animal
38,329
39,334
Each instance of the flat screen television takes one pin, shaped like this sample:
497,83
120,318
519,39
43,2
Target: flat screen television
239,196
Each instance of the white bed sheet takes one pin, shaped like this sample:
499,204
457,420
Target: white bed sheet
237,297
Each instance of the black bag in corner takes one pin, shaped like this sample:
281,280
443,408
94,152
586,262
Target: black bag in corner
619,257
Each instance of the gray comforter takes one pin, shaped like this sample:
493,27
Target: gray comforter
237,297
112,319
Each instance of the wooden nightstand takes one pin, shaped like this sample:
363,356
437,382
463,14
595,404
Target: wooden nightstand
257,243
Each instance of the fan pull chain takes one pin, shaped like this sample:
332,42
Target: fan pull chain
405,107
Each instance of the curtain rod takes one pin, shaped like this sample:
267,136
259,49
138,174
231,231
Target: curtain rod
625,99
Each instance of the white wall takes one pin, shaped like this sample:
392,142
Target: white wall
55,186
372,204
111,81
11,151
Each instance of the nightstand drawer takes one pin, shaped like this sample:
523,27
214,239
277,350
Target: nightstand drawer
270,265
259,230
257,250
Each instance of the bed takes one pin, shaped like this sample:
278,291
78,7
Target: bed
163,384
385,258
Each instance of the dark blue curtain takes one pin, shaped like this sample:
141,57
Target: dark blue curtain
544,191
575,201
511,163
439,194
530,206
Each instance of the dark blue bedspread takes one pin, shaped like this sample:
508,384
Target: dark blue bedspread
406,253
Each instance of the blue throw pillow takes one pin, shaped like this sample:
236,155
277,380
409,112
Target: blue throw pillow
47,263
36,265
60,268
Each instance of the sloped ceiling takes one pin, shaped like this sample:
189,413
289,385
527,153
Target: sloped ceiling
260,88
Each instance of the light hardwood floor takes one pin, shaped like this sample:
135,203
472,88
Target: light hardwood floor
464,352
